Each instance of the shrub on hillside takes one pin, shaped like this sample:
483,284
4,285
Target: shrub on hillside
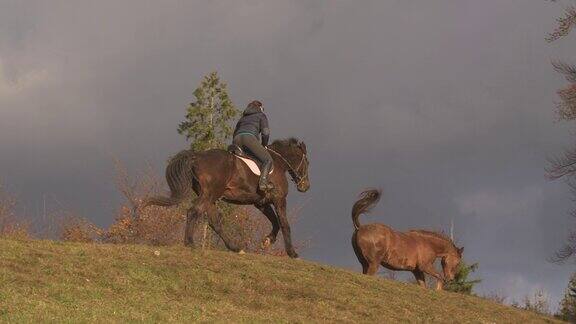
538,302
153,226
495,297
11,226
252,227
79,229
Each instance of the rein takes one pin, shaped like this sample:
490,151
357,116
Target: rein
292,170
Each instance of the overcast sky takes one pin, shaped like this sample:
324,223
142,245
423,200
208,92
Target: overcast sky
448,106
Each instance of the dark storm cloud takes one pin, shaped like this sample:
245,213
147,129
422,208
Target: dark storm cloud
448,106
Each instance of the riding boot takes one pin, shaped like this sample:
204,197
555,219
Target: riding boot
264,184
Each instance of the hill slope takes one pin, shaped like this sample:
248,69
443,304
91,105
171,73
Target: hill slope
54,281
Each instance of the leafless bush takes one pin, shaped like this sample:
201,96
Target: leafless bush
133,224
11,226
496,297
538,302
253,227
79,229
154,226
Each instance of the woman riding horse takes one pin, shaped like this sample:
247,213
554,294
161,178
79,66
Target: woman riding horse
217,174
253,123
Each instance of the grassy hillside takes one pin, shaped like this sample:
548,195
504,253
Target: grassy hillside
54,281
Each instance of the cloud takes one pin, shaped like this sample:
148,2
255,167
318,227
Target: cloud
518,204
21,84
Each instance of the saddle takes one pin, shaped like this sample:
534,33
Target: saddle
253,163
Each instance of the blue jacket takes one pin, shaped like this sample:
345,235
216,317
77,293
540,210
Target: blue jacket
255,122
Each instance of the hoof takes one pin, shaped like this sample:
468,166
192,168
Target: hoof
241,252
293,255
266,243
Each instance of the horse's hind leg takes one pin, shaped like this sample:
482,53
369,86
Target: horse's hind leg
420,278
359,255
191,219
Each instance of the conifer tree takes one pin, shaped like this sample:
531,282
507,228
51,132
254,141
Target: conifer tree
461,283
209,117
207,125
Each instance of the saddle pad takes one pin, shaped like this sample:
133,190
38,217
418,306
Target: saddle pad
252,165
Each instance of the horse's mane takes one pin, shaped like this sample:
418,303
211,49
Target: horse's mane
286,142
437,235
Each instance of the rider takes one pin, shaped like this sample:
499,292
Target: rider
253,123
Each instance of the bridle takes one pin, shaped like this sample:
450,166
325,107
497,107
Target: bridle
296,178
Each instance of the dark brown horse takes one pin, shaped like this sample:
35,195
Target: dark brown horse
218,174
415,250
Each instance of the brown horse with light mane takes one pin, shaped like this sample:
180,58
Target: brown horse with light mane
415,250
219,174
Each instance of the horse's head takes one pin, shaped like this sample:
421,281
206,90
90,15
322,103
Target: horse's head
295,156
451,261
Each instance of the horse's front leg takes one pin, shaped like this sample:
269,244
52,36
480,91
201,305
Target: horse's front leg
420,278
429,269
280,206
270,213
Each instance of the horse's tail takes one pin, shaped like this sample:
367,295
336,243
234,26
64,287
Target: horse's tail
368,199
180,177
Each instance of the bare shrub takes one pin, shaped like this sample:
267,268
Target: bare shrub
17,231
496,297
78,229
12,226
133,224
154,226
538,302
252,227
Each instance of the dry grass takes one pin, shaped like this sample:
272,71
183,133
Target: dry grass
79,282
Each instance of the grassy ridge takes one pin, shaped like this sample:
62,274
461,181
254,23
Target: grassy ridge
54,281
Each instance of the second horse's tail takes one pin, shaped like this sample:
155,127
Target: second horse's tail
180,177
368,199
